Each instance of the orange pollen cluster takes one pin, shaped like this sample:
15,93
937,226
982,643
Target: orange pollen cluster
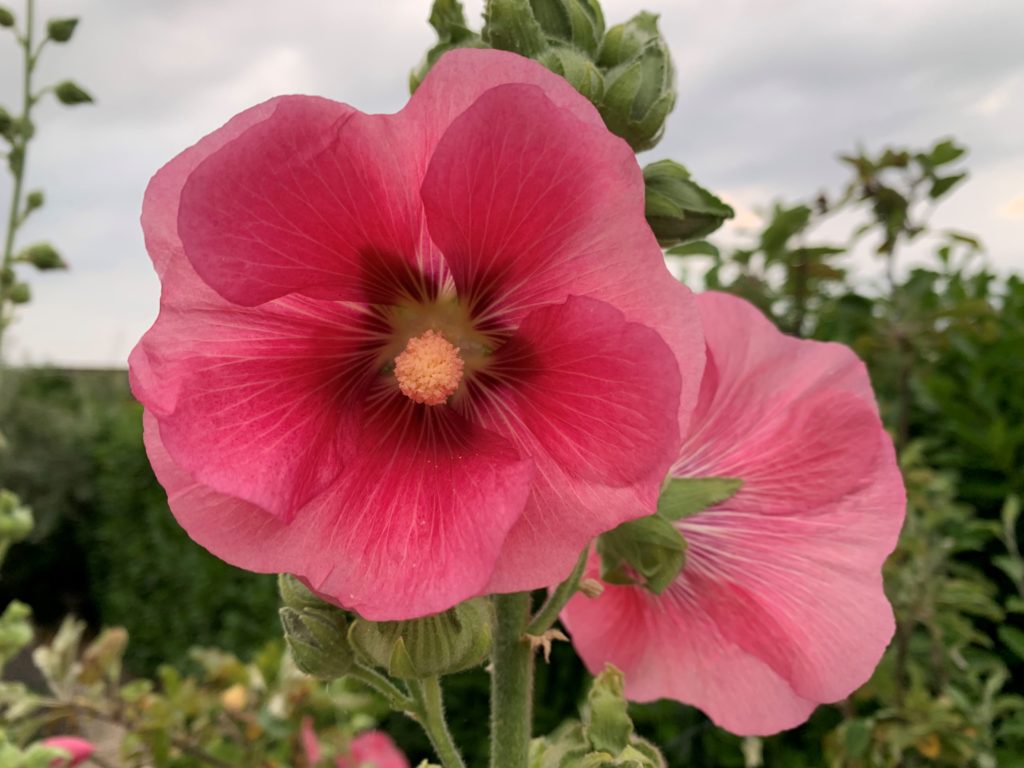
429,370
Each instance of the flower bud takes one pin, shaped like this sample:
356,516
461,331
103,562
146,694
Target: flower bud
579,23
441,644
34,199
19,293
510,25
581,72
295,594
16,521
448,20
625,41
70,93
6,123
639,88
648,552
6,17
318,640
42,256
677,208
606,719
61,30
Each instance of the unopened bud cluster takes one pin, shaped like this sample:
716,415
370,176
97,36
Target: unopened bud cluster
625,71
327,642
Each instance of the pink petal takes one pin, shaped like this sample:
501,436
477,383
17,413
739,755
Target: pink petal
531,204
318,199
780,606
79,750
373,749
592,401
397,536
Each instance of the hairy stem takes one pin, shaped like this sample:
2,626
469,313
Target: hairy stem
511,682
430,703
548,613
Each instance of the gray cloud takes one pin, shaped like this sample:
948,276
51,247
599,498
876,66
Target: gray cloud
769,93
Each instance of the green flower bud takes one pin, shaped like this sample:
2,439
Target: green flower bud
606,721
510,25
61,30
581,72
19,293
639,91
678,209
42,256
35,199
441,644
625,41
6,123
6,17
295,594
579,23
449,21
7,277
71,93
318,640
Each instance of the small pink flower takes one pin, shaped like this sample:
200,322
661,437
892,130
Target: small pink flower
780,604
79,750
373,749
418,357
309,741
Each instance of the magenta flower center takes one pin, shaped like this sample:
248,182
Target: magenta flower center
429,370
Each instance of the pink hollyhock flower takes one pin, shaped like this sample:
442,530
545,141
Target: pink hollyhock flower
79,750
373,749
418,357
779,606
308,740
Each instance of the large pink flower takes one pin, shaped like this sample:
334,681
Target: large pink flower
413,358
780,604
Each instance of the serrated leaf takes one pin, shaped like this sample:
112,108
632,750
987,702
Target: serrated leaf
686,496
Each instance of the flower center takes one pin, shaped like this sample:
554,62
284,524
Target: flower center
429,370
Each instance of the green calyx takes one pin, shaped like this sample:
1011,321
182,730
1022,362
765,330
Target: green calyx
441,644
677,208
651,552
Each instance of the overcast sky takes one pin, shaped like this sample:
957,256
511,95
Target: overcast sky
769,93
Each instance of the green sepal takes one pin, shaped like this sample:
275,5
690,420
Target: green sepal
581,72
579,23
441,644
449,21
677,208
295,594
649,552
625,41
686,496
510,25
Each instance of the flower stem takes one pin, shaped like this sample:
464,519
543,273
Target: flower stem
427,693
511,682
548,613
397,700
18,155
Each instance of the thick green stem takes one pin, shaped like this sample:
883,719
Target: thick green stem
511,682
19,150
427,694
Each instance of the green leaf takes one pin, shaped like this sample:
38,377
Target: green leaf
945,152
686,496
1013,639
70,93
943,184
61,30
696,248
